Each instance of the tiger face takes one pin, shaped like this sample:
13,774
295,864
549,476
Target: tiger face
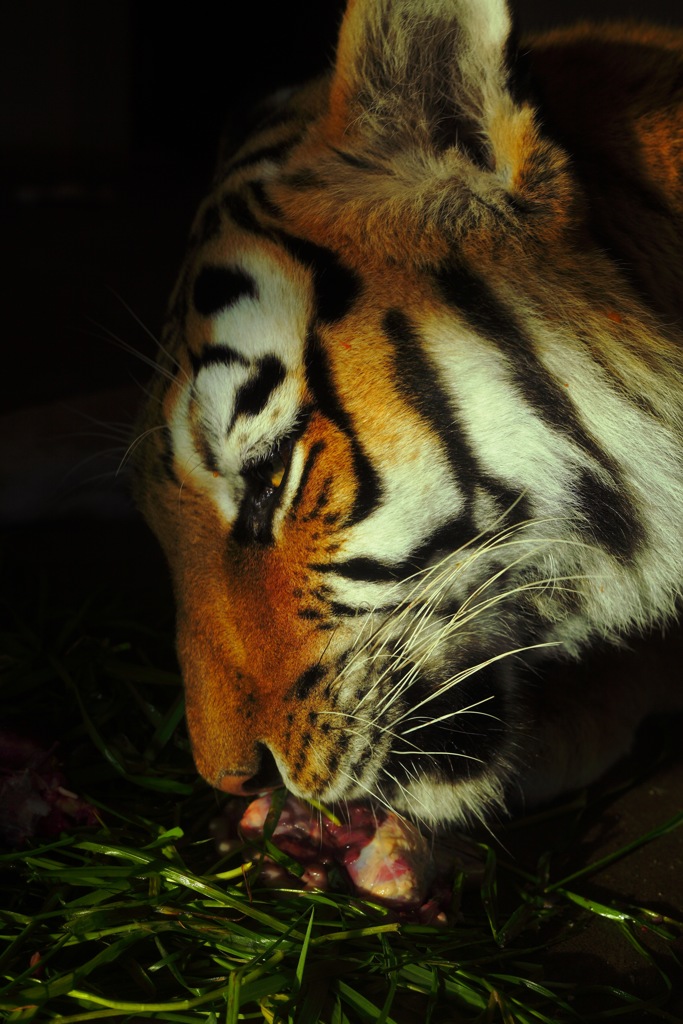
416,426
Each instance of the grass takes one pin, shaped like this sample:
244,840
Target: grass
134,918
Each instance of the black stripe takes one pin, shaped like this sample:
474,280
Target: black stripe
205,450
347,611
209,226
310,614
449,537
466,292
218,287
418,380
355,161
321,502
369,488
364,570
609,516
276,152
167,460
304,178
238,210
514,506
216,355
279,115
336,286
344,611
245,125
264,201
472,298
307,680
252,397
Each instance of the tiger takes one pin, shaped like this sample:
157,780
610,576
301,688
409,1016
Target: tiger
414,444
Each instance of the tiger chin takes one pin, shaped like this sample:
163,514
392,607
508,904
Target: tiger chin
414,449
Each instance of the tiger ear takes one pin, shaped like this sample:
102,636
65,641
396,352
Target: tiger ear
427,88
425,72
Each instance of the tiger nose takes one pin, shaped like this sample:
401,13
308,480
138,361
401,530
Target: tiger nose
239,785
262,778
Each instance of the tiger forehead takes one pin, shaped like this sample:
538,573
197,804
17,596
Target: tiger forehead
252,297
247,303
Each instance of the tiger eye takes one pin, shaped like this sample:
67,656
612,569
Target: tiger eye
275,470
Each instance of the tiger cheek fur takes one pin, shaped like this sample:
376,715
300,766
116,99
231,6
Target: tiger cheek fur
417,426
254,626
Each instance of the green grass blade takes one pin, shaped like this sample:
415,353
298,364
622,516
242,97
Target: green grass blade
624,851
301,963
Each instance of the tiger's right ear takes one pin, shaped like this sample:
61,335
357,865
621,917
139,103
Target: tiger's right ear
425,88
425,72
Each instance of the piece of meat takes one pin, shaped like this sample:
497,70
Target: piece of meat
384,857
299,832
394,867
34,798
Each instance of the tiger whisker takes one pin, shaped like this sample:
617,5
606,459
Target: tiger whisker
138,320
444,566
189,470
103,453
364,722
356,782
446,717
417,817
151,335
136,442
457,621
424,614
458,678
110,336
416,750
447,572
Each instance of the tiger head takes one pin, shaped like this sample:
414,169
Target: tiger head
393,448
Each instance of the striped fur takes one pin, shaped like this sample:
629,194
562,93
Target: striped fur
417,425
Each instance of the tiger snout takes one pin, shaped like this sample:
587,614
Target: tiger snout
250,732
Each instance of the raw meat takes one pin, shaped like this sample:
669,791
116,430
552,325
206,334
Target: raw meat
384,857
34,798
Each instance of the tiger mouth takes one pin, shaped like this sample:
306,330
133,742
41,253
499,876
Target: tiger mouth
388,755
